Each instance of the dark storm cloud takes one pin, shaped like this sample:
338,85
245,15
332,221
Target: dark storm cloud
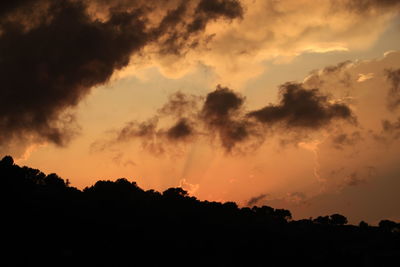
233,133
221,116
51,56
181,130
179,30
211,9
52,66
220,105
302,108
394,92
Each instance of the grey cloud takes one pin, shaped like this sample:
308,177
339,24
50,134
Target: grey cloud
222,115
220,105
302,108
181,130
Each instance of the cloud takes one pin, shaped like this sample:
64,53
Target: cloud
391,128
210,9
190,188
373,141
222,116
364,77
53,56
354,180
394,93
49,68
278,31
389,132
180,104
220,105
302,108
180,130
146,130
366,6
222,112
256,200
341,140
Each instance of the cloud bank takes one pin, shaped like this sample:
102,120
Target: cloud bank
51,58
278,31
222,116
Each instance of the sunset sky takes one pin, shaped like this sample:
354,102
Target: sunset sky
293,104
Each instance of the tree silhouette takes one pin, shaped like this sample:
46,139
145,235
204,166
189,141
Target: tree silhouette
338,219
322,220
388,225
363,225
7,161
116,223
175,193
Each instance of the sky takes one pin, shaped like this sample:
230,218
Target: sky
293,104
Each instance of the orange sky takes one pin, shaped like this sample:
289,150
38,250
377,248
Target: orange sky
341,167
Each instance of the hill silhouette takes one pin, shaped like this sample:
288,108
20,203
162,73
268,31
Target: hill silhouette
116,223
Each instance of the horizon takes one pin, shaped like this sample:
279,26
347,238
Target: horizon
51,182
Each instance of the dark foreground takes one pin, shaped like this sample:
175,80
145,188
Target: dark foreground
47,222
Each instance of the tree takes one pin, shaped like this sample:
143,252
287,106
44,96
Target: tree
338,219
284,214
230,205
54,180
322,220
175,192
388,225
7,161
263,211
363,225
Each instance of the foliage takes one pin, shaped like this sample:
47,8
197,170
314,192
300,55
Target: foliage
116,223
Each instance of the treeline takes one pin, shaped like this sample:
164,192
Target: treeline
116,223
